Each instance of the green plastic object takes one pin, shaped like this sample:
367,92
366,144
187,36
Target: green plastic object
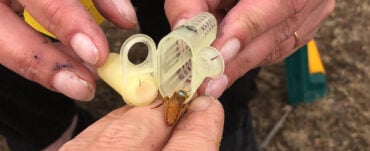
302,86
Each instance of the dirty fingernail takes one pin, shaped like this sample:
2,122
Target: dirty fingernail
230,49
215,87
85,48
201,103
125,10
71,85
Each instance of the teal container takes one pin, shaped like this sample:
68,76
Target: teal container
303,87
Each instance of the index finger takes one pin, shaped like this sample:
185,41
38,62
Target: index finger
70,22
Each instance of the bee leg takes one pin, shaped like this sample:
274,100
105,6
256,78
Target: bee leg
164,99
184,108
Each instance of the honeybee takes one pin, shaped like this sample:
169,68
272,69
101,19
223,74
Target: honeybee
175,106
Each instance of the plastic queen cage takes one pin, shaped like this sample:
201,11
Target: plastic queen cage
183,60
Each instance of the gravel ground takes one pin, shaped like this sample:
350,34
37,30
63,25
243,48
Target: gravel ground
339,121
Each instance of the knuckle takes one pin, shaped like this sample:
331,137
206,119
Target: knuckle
251,24
274,56
113,135
54,14
285,29
130,134
109,136
242,64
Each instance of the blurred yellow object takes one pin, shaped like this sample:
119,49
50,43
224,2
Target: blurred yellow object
89,5
314,60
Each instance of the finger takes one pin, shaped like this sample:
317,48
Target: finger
73,54
14,5
32,56
200,128
67,51
269,44
82,140
73,26
240,26
262,46
250,18
214,86
308,29
285,48
140,128
119,12
178,11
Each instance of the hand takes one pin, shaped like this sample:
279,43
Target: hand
253,33
59,66
144,128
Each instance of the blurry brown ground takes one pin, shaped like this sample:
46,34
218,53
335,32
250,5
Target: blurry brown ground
340,121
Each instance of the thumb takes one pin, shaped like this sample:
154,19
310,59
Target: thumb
178,11
200,128
119,12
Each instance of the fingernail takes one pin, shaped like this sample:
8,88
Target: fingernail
215,87
230,49
179,23
71,85
85,48
201,103
125,10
